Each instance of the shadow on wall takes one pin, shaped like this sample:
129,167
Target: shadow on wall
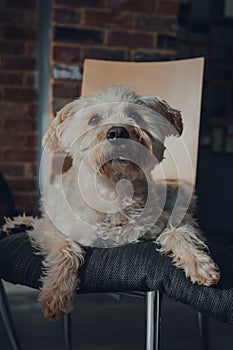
215,189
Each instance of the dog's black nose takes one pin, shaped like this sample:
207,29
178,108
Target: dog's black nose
117,132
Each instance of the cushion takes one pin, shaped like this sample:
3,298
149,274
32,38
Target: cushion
133,267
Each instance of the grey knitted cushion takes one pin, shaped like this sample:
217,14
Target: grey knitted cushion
133,267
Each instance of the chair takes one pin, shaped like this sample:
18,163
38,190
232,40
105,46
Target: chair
179,83
116,269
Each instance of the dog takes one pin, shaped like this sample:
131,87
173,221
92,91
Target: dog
109,196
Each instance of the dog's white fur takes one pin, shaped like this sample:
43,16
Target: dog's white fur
89,130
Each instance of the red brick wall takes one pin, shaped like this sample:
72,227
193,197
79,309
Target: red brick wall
104,29
107,29
18,99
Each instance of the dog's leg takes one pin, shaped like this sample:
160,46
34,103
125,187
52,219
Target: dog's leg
60,279
62,258
18,224
188,251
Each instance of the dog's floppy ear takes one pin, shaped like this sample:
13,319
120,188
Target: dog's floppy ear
50,139
162,107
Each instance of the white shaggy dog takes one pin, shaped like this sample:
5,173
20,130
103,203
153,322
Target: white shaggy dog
108,196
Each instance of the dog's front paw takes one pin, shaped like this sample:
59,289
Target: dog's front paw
60,278
206,272
56,305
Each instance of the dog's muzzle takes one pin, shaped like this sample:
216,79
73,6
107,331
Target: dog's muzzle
117,132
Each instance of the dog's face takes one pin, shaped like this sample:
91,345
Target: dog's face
115,131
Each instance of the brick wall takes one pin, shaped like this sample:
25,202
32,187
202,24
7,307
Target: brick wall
107,29
18,99
103,29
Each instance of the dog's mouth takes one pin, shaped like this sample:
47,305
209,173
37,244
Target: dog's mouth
122,150
119,166
122,160
125,157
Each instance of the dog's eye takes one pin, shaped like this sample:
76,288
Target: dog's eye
94,120
135,116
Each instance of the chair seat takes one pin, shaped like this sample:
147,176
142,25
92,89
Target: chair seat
133,267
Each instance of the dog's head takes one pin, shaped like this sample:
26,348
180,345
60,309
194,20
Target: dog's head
117,131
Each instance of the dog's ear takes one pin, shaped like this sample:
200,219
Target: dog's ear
50,139
162,107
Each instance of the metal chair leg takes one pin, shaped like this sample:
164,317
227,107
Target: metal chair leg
153,320
7,319
67,331
203,328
